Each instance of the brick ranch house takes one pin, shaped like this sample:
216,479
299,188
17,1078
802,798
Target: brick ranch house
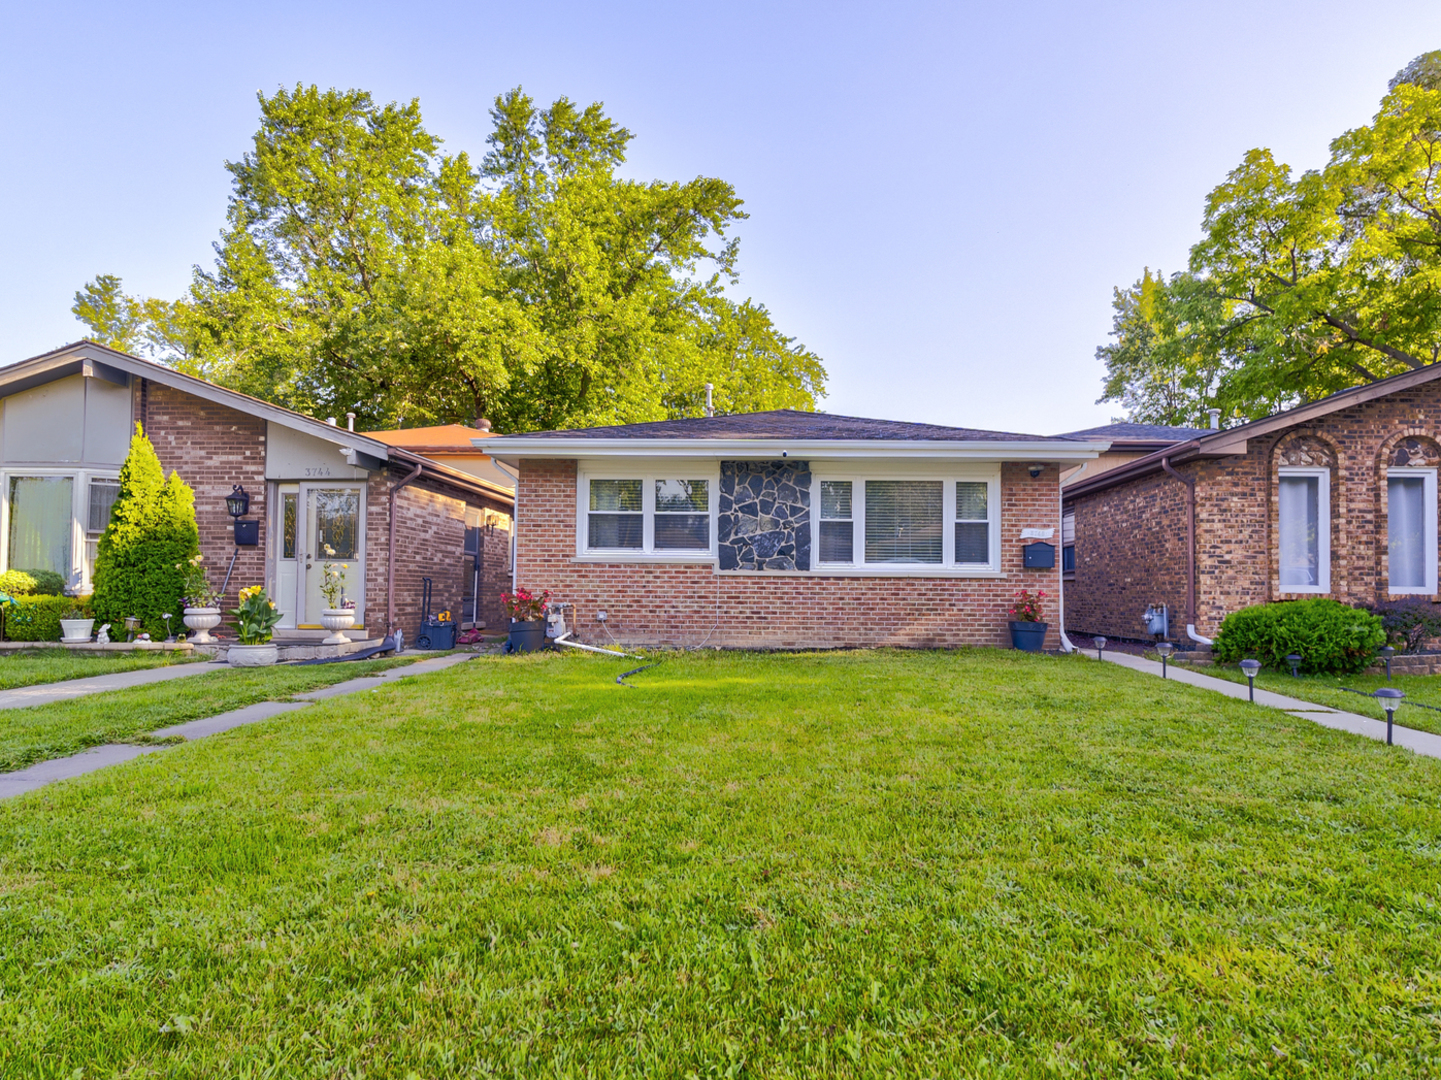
392,516
1334,498
788,529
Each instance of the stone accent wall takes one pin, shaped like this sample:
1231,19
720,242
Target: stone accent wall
764,515
1130,539
213,447
693,604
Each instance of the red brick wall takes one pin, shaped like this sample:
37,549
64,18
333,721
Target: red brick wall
1130,540
692,604
1130,553
213,448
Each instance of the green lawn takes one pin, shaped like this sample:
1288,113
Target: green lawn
32,666
857,864
1326,690
50,731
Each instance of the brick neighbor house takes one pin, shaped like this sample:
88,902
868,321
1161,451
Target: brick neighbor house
1334,498
788,529
393,516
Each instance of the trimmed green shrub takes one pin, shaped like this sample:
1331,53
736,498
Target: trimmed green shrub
16,583
47,582
1409,623
151,535
37,618
1331,638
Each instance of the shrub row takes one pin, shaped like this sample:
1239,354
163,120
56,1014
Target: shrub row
37,618
1331,638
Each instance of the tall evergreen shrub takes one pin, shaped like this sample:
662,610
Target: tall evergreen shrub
152,528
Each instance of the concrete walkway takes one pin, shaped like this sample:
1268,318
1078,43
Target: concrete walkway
98,757
1421,742
23,697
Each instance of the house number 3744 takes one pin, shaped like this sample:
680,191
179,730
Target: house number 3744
319,470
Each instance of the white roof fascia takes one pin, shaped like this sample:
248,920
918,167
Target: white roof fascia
145,369
966,450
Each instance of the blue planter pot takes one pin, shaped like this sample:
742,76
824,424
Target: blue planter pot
1028,636
526,636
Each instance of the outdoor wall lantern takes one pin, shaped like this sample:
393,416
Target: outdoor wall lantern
1251,667
237,503
1390,699
1035,469
1165,649
1386,653
1100,644
1294,659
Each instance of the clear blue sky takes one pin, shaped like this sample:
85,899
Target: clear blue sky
942,196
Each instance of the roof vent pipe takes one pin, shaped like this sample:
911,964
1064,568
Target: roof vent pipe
482,424
1215,415
709,407
350,421
330,420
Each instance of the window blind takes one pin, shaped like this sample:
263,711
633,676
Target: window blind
973,528
837,534
615,519
904,521
682,515
1300,509
1406,529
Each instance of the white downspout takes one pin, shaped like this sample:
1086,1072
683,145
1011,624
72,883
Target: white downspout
1066,645
514,517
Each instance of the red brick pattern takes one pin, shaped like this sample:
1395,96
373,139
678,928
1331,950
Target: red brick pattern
693,604
213,448
1130,539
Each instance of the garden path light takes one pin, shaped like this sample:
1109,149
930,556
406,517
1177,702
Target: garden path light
1251,667
1390,699
1165,649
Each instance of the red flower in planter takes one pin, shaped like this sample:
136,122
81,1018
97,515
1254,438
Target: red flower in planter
524,606
1028,607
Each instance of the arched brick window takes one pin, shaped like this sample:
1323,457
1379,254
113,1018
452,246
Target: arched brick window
1304,478
1408,504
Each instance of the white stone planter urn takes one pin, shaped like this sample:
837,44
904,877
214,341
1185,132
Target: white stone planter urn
337,620
252,655
202,620
75,631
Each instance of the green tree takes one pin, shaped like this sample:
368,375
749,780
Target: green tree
361,269
1303,286
151,533
113,317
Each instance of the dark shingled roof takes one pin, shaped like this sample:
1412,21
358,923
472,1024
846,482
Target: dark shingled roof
1139,432
789,424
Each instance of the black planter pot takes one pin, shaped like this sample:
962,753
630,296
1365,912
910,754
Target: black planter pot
1028,636
526,636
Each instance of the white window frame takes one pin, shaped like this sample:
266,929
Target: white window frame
947,567
79,513
1323,530
647,472
1428,475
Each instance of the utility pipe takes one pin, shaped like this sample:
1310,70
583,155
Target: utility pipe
1190,485
1066,645
390,576
564,640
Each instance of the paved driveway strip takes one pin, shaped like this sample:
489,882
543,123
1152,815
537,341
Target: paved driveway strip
97,757
23,697
1422,742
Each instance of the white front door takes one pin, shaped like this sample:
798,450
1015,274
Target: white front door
333,534
287,563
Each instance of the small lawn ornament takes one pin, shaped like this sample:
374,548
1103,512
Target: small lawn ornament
103,638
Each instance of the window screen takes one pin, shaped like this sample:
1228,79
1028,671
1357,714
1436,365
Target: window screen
41,518
904,521
837,523
682,515
102,499
615,519
1300,526
973,522
1406,528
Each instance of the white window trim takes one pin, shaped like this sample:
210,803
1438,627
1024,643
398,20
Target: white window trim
947,567
647,473
79,513
1323,531
1428,475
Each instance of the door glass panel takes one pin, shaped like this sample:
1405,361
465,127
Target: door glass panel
41,518
337,523
287,525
